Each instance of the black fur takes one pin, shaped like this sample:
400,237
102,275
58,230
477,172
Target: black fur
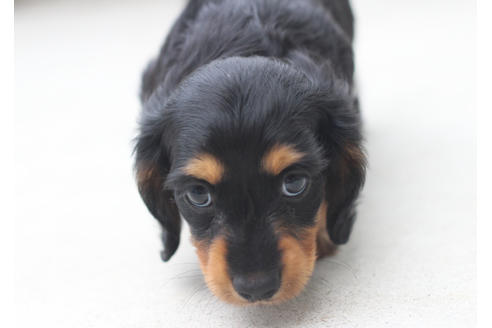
233,78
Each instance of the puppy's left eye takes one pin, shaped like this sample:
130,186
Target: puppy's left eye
199,196
294,184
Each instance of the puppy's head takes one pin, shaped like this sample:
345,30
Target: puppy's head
263,162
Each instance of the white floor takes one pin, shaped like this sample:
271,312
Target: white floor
87,249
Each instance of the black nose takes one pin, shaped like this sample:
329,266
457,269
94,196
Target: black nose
257,286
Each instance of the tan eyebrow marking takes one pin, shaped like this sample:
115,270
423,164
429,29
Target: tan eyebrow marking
205,167
279,157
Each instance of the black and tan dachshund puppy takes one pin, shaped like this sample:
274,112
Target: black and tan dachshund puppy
250,131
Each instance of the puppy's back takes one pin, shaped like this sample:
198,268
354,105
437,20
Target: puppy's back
284,29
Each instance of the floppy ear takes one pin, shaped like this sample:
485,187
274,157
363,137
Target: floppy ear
152,166
339,132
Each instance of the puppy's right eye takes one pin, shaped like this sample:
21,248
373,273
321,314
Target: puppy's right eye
199,196
294,185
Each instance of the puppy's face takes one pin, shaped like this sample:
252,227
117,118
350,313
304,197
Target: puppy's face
253,214
242,158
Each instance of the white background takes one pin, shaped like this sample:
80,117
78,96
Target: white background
87,250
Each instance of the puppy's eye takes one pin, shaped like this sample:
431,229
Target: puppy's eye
294,184
199,196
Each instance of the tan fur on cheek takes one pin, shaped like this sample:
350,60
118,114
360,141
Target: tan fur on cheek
298,258
214,267
280,157
324,245
205,167
299,255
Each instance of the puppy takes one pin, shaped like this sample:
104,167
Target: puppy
250,131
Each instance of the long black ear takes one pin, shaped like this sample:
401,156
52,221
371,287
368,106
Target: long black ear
339,133
152,166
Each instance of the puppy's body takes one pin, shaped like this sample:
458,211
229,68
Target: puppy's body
250,130
315,35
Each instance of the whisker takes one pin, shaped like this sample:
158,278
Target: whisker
325,281
187,271
345,266
182,275
187,263
188,300
188,276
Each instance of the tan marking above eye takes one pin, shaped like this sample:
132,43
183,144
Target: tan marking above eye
280,157
206,167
